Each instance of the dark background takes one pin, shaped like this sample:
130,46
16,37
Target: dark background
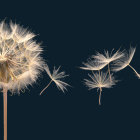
70,32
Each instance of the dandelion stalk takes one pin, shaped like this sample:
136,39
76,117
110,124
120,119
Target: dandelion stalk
5,112
109,72
99,72
134,70
100,96
46,87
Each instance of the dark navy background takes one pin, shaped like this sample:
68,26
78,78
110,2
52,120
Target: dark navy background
70,32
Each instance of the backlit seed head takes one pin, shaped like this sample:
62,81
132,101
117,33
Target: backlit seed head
20,60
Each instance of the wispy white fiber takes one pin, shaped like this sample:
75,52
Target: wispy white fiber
99,80
93,65
106,57
56,77
20,60
124,61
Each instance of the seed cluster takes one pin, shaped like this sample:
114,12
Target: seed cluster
20,61
119,60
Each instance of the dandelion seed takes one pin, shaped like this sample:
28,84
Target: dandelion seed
107,59
93,65
99,81
56,77
20,61
125,61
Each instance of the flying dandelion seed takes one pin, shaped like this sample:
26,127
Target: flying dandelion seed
99,81
93,65
125,61
56,77
20,61
107,58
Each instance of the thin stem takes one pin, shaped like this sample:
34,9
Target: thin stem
109,72
5,112
134,70
99,72
100,96
99,75
46,87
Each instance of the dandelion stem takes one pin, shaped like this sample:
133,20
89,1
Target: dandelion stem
134,70
46,87
99,72
99,75
5,112
109,72
100,96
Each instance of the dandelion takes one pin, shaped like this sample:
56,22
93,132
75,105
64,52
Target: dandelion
99,81
107,58
56,77
20,61
125,61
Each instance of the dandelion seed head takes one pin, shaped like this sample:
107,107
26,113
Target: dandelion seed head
20,60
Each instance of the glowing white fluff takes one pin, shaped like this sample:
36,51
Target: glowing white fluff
20,60
106,57
93,65
125,61
99,81
56,77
